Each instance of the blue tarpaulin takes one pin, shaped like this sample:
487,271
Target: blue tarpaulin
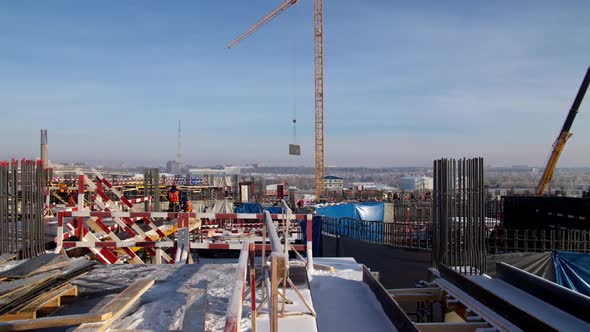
249,208
572,270
274,209
373,211
257,208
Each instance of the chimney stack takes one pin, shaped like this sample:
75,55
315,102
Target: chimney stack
44,155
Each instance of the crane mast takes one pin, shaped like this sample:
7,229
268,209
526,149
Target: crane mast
319,97
318,32
562,138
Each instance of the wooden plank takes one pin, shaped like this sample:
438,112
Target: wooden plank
71,292
8,288
47,297
28,268
22,296
56,321
118,305
77,267
196,308
6,257
17,316
51,267
450,327
16,299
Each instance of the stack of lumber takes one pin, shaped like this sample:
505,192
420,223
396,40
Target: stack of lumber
36,287
30,292
97,321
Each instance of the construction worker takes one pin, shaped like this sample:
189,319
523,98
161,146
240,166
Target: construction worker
173,199
187,206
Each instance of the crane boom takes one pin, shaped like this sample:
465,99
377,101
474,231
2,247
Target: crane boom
274,13
318,33
564,135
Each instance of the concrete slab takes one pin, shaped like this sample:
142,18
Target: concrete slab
343,301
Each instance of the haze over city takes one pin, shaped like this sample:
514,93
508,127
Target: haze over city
405,82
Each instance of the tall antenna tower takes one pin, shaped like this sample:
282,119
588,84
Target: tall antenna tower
179,147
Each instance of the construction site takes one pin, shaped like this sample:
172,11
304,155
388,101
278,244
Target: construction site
91,248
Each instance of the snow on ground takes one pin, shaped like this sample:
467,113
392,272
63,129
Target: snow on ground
162,307
343,301
304,322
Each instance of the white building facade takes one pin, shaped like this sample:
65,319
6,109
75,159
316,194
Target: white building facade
411,183
332,183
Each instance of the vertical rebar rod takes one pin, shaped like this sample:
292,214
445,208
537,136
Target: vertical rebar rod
458,215
22,193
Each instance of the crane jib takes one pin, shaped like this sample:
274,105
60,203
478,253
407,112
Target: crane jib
563,137
577,102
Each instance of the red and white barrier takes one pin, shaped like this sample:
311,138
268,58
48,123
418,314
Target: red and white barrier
87,224
182,243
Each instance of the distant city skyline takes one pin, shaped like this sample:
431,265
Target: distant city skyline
406,82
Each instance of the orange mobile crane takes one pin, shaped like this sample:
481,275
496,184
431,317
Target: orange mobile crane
564,135
318,33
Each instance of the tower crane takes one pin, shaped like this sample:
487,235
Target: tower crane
564,135
318,33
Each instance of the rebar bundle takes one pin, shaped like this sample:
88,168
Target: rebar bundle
22,192
458,212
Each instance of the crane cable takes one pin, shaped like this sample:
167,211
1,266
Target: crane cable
294,83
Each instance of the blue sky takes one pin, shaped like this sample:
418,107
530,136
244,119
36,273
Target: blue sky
406,81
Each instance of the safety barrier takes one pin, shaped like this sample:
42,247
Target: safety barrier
415,234
92,229
501,240
113,230
418,235
275,270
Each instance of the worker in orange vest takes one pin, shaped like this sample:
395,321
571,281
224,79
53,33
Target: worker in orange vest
173,199
187,206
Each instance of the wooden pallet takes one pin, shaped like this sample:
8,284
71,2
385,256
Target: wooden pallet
44,304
